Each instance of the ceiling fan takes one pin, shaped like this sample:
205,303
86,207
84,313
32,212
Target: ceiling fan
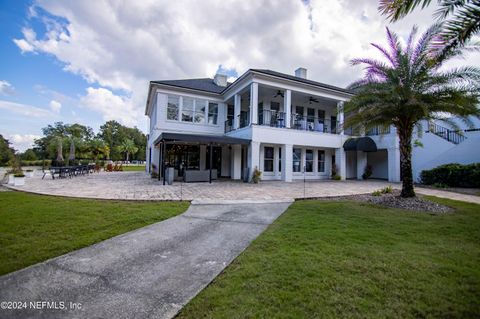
279,93
312,99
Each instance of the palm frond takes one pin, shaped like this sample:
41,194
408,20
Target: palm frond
397,9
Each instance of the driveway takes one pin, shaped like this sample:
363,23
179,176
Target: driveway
147,273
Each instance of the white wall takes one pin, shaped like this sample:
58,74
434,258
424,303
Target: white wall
379,162
351,162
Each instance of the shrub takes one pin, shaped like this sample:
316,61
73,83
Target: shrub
367,172
336,177
257,175
453,175
386,190
19,175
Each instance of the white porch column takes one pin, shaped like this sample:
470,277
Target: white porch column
340,118
237,100
203,156
393,164
254,103
236,162
253,157
361,163
287,165
341,162
287,107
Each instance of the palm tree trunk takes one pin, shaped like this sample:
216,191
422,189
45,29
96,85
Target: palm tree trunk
405,136
127,156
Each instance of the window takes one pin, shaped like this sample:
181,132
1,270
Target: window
275,106
172,108
297,159
321,116
321,161
199,111
268,159
187,110
309,161
299,110
279,159
230,111
212,113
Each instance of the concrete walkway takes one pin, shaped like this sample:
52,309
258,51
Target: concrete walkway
147,273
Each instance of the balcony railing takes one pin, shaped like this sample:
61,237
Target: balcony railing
229,125
271,118
244,119
378,130
452,136
311,123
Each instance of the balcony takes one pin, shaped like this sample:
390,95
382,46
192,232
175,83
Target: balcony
313,124
272,118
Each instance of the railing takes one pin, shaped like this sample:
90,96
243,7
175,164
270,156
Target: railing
311,123
229,125
378,130
271,118
452,136
244,119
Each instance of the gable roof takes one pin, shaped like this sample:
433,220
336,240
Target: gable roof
203,84
301,80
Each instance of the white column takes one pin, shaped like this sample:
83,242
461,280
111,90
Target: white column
287,162
203,157
361,163
340,117
237,100
393,164
236,162
253,157
275,161
254,103
341,162
287,107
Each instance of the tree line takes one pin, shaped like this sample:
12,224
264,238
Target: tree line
67,143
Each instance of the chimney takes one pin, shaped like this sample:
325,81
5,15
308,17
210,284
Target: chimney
220,79
301,73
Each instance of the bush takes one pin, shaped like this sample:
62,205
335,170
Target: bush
453,175
386,190
368,171
36,163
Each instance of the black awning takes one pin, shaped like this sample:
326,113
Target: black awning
204,139
365,144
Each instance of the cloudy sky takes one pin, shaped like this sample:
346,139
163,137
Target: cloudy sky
90,61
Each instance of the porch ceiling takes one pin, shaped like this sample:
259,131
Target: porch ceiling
205,139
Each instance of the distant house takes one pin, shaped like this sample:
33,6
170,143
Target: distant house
287,126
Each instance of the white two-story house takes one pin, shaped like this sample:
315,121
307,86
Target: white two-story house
286,126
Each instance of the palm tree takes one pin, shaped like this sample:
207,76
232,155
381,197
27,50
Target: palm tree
409,87
461,17
57,141
128,147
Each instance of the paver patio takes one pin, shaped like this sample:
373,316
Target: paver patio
139,186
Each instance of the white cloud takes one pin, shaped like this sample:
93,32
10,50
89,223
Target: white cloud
25,109
55,106
22,142
6,88
111,106
123,46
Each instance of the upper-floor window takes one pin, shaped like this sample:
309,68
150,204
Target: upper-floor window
212,113
173,108
190,110
187,110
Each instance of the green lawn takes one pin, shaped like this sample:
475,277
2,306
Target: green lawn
34,228
139,168
345,259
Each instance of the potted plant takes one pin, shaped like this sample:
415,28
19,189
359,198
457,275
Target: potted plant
367,172
11,176
29,173
257,175
335,177
19,179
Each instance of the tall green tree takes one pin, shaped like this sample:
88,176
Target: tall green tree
6,151
408,87
460,18
127,147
